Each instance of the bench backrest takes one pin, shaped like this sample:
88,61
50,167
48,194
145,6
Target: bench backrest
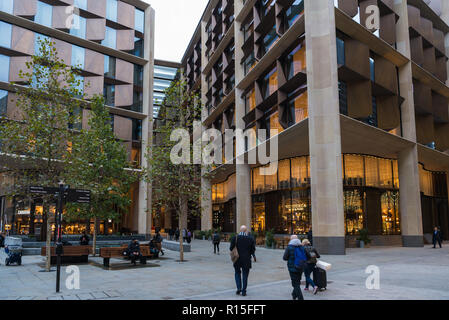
118,252
69,251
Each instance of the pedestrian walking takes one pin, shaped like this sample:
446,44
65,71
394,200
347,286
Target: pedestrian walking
184,234
310,236
177,234
170,234
158,242
312,256
246,247
216,241
296,259
189,236
436,237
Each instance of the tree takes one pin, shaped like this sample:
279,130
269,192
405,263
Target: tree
100,164
175,186
39,135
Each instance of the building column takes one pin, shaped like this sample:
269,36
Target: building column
206,187
145,189
409,189
243,171
324,127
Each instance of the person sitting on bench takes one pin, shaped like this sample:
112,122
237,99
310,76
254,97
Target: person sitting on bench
84,240
134,251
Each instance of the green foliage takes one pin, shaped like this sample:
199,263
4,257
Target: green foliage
364,236
175,186
98,164
269,238
39,133
198,234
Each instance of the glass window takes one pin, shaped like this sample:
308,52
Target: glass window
354,215
161,85
165,72
372,69
3,102
4,68
158,97
273,124
109,94
139,23
296,61
111,10
270,83
249,63
343,97
109,67
284,174
270,39
385,173
371,172
137,129
110,39
258,219
138,47
299,107
258,181
354,170
79,28
137,101
341,58
5,31
78,56
295,11
37,38
391,223
82,4
138,75
250,101
79,85
7,6
300,172
44,14
301,211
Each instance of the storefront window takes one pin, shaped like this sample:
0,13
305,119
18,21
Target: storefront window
301,211
300,172
258,220
390,213
284,174
354,216
354,170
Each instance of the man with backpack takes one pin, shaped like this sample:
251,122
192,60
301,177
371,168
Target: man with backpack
216,241
312,258
296,259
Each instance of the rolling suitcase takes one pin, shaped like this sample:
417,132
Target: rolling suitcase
320,278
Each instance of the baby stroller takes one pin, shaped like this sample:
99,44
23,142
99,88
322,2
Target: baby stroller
12,253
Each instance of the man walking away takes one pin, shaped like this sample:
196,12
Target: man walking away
312,256
310,236
436,237
246,247
177,234
296,259
216,241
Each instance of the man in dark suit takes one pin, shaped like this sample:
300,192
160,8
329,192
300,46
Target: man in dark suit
246,247
436,237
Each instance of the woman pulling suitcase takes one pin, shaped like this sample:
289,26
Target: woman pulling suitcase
312,256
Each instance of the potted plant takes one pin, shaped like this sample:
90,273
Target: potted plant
363,238
270,242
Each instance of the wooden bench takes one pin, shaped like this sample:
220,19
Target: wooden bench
117,252
71,254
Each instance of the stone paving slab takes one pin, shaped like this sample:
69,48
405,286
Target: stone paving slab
406,273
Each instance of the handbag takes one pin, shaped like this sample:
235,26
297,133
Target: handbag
235,253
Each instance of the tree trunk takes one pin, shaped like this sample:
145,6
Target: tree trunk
46,210
94,240
182,212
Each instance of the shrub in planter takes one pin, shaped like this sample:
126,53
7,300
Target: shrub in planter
198,234
363,238
269,239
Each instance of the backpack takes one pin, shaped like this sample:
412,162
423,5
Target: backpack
300,257
311,255
216,238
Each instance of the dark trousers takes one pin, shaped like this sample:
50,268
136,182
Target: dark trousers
216,247
296,284
134,257
308,269
241,278
435,243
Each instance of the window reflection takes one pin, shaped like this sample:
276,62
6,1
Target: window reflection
296,60
353,206
5,31
7,6
44,14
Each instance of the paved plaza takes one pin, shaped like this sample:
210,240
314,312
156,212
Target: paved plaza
405,273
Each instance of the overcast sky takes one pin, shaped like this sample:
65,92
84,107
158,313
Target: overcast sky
176,21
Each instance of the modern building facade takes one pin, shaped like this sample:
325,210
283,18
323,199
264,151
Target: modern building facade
358,90
112,42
